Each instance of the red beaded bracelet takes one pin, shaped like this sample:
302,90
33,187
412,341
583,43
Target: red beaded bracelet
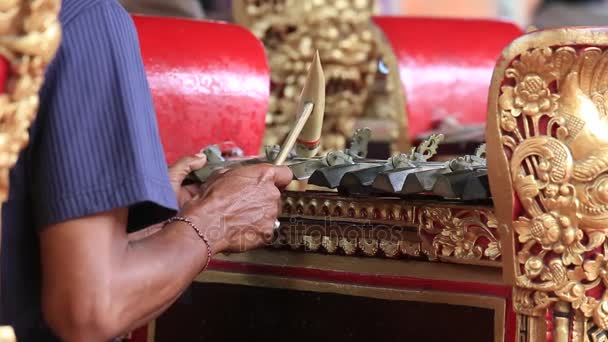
198,232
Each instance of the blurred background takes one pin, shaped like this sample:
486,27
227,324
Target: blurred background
540,13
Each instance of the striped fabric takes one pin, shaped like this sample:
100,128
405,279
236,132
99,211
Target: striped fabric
94,147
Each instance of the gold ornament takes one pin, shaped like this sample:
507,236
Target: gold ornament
549,129
389,228
29,37
355,57
30,34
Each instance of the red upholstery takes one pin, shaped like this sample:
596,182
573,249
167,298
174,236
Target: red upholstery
446,65
210,83
3,74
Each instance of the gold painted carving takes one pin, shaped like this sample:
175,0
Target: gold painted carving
459,235
552,111
29,37
355,57
392,228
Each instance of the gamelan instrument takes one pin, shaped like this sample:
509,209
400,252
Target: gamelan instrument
349,173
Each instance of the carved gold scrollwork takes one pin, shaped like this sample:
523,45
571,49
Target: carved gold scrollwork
554,131
29,37
390,228
459,234
361,70
530,302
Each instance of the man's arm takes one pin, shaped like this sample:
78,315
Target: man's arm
98,285
96,162
177,173
144,233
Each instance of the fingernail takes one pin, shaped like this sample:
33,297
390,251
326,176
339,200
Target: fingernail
200,155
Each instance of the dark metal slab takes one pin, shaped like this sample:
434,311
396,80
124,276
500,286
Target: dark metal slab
477,188
392,181
453,185
423,180
331,176
358,182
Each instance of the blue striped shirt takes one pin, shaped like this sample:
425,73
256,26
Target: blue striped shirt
94,147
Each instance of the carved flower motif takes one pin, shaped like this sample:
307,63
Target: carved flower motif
553,232
591,269
544,229
533,267
493,251
531,96
457,241
507,122
551,190
458,235
595,268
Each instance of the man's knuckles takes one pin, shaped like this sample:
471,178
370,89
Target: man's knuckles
189,163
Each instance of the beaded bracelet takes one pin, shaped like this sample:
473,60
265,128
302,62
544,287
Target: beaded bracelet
198,232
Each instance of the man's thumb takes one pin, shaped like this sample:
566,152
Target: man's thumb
181,168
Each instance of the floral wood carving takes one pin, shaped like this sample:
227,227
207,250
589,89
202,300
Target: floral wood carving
379,228
553,108
459,234
361,69
29,37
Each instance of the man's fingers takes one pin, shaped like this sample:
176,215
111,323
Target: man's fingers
185,165
192,189
282,176
199,161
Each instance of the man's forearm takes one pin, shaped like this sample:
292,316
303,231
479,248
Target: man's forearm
161,265
104,285
165,263
144,233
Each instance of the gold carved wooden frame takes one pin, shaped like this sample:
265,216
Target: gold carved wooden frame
546,143
390,228
30,35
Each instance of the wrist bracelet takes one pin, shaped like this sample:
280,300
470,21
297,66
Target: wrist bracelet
198,232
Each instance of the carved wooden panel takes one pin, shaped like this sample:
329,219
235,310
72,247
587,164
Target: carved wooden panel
548,160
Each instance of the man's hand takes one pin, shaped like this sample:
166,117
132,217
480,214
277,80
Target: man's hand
238,209
98,283
179,171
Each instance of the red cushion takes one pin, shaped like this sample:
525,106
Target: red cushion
3,74
446,65
209,80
